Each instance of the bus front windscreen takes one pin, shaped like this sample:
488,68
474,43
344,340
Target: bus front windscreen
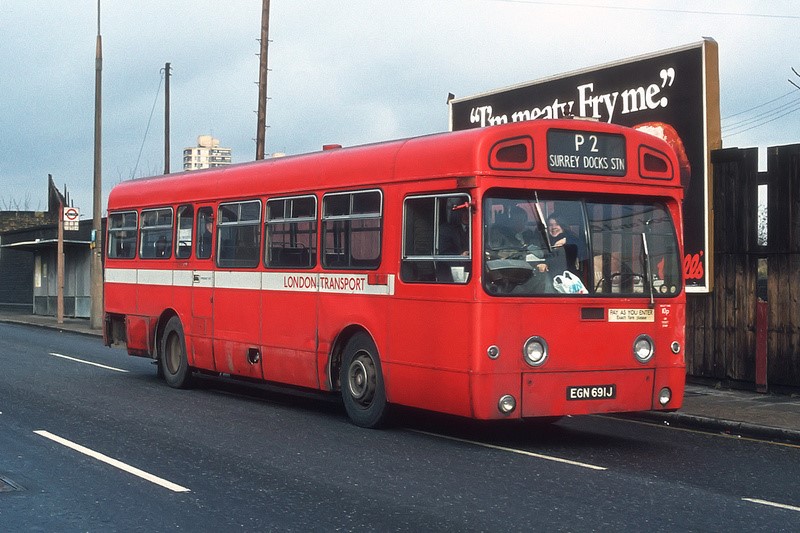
545,244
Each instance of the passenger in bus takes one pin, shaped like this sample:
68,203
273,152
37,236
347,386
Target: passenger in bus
560,236
161,246
124,246
205,240
454,235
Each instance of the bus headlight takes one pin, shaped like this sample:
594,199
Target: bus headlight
507,404
643,348
535,351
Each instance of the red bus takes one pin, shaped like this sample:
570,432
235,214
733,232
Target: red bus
517,271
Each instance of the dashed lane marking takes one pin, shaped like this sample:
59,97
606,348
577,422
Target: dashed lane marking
113,462
87,362
516,451
772,504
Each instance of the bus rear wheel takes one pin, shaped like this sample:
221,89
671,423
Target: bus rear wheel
173,363
361,380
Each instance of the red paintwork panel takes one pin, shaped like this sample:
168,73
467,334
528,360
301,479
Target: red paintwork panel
138,333
429,388
545,394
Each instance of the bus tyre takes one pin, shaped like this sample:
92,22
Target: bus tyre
361,380
173,364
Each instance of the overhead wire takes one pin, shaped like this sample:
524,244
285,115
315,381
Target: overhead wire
730,129
759,105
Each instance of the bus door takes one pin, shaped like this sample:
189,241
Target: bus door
237,289
202,327
290,297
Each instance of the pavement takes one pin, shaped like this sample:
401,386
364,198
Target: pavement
707,406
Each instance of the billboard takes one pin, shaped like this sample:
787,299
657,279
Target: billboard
673,94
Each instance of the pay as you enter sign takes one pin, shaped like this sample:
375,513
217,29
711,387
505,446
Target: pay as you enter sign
631,315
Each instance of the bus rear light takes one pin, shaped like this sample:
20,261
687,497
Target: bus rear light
643,348
675,347
664,396
535,351
507,404
493,352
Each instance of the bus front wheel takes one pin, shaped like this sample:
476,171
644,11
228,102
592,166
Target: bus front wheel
361,380
173,363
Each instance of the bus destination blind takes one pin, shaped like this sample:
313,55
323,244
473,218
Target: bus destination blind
586,152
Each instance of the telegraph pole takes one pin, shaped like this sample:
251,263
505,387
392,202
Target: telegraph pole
166,118
97,211
262,81
60,265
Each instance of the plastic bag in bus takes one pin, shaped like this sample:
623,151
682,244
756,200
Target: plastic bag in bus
569,283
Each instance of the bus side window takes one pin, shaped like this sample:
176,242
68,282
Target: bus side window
155,235
183,250
122,235
436,239
205,233
291,230
351,229
239,234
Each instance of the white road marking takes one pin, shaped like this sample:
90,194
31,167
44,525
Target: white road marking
87,362
113,462
513,450
772,504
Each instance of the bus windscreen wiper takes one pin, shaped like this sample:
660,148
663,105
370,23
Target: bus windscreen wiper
540,215
648,270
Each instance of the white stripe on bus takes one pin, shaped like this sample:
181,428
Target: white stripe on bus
182,278
154,277
120,275
267,281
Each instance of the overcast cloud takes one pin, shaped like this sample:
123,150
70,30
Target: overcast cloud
341,72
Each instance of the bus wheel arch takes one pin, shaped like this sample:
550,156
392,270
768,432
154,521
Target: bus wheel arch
336,352
173,360
361,380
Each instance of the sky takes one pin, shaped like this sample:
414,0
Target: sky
351,73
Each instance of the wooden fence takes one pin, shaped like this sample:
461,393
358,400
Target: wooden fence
750,276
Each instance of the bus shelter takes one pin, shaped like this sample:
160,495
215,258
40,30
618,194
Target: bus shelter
37,269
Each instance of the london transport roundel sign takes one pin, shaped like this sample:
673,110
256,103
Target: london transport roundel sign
71,214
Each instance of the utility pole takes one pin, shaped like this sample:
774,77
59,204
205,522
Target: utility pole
166,118
60,265
97,211
262,81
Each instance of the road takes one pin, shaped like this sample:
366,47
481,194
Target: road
92,440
